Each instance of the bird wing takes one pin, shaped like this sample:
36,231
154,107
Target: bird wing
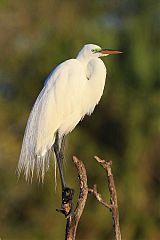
55,109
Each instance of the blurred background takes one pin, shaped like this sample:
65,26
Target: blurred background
125,127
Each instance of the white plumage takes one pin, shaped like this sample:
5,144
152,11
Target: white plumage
72,90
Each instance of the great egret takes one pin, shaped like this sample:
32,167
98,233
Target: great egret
71,91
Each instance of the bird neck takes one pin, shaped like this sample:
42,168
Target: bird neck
82,58
95,71
84,61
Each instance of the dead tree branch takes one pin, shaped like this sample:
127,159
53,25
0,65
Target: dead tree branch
67,207
72,221
98,196
113,206
73,215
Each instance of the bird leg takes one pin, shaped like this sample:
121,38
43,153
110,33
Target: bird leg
67,193
59,158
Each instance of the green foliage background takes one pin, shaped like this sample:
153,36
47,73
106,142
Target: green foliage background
125,127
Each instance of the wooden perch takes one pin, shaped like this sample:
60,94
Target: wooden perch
67,207
73,215
72,221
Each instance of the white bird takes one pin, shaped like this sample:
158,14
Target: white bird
71,91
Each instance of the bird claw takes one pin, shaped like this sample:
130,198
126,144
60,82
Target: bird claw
70,213
67,205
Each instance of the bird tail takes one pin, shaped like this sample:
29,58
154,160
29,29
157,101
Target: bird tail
38,138
31,156
28,162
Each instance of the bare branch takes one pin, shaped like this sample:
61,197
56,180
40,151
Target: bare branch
98,196
73,219
113,196
73,216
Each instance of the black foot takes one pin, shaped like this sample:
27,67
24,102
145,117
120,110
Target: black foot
67,195
67,205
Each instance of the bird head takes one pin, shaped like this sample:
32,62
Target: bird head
92,50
